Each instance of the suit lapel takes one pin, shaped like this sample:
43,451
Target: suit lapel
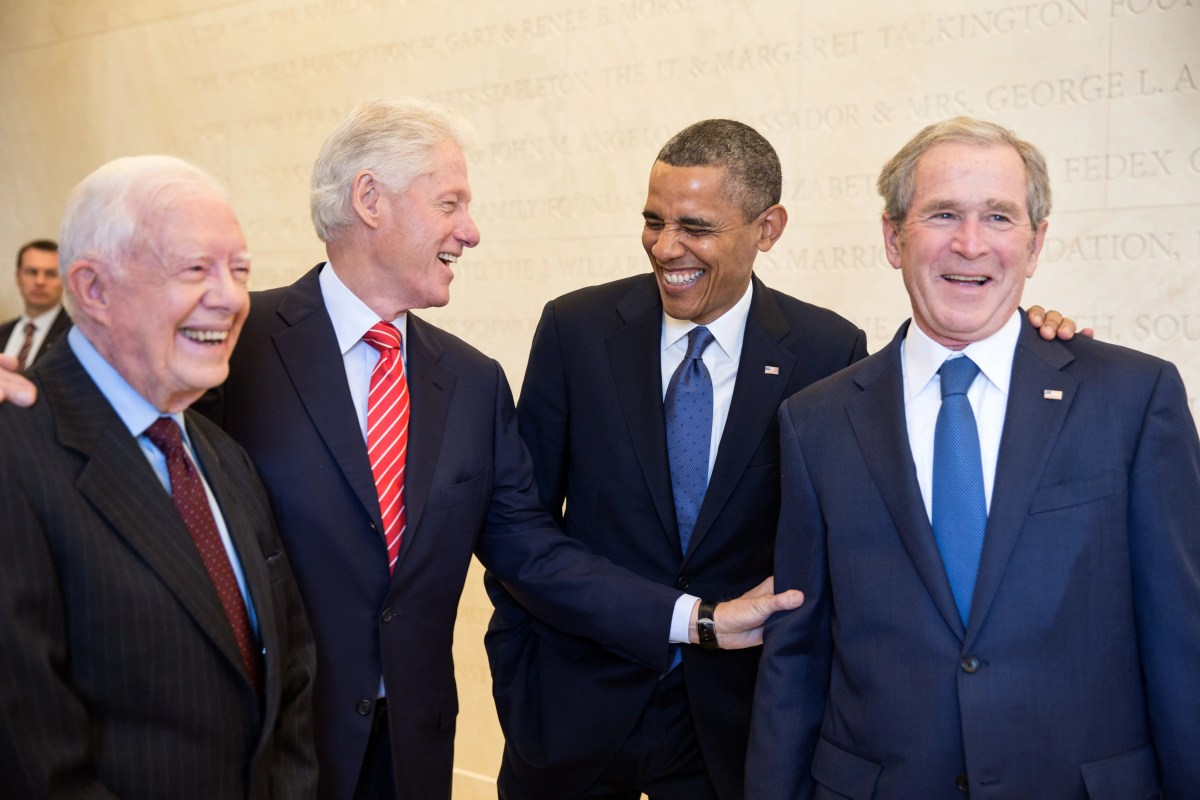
636,364
756,399
120,484
1031,428
430,387
309,352
878,418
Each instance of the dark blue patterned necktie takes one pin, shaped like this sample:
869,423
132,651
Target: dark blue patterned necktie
689,411
959,506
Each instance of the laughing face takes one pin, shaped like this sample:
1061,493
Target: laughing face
700,245
172,310
425,228
967,245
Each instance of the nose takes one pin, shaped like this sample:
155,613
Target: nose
666,246
969,238
225,291
467,234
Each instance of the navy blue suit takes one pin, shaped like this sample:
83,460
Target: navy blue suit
469,490
591,411
1077,676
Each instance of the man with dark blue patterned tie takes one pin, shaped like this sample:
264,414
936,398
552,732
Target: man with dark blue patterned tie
996,535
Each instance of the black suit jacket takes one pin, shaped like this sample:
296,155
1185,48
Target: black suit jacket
58,329
469,489
1076,677
591,411
119,673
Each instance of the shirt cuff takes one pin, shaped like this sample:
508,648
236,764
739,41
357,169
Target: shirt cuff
681,618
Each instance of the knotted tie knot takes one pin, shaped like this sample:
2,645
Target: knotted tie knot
957,375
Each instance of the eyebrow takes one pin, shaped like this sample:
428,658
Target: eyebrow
991,205
693,222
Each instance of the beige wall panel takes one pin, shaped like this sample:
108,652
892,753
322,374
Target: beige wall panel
572,99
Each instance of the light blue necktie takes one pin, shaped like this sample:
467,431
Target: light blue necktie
959,507
689,411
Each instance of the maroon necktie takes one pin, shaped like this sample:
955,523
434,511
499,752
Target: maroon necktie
387,433
26,346
187,492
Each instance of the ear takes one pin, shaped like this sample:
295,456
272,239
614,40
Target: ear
891,241
1039,239
90,283
770,226
366,195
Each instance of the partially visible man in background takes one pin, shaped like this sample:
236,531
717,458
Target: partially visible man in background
154,640
43,320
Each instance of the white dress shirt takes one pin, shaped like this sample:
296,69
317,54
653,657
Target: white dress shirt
921,358
41,324
352,318
721,358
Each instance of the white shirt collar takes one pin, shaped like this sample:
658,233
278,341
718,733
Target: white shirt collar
923,356
728,330
42,321
351,317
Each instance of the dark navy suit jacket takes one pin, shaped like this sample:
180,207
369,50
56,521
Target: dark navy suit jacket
469,490
1077,675
591,410
58,329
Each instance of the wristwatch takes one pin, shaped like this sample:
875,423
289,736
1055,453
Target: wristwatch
706,629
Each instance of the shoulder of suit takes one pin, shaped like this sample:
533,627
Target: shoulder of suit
605,295
807,314
454,351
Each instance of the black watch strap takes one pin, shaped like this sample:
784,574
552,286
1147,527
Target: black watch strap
706,629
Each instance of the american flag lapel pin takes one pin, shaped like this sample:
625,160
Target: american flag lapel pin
770,369
1052,394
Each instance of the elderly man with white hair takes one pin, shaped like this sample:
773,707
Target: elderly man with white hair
154,640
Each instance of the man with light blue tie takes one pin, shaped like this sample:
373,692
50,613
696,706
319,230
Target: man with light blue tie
154,640
996,535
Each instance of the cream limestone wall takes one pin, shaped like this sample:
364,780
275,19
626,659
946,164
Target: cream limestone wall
573,98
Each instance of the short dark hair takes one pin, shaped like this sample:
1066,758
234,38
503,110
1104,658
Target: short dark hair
49,245
755,180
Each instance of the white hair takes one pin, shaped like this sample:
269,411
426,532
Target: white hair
107,208
392,137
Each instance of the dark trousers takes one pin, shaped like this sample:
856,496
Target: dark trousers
376,781
661,758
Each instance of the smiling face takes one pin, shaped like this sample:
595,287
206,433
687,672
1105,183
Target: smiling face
171,312
424,228
38,280
701,248
967,246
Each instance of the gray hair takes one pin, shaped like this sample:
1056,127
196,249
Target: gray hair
392,137
897,184
755,178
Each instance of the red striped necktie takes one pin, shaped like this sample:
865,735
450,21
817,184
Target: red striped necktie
387,432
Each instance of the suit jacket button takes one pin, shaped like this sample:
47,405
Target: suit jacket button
962,784
681,584
386,616
365,707
970,664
